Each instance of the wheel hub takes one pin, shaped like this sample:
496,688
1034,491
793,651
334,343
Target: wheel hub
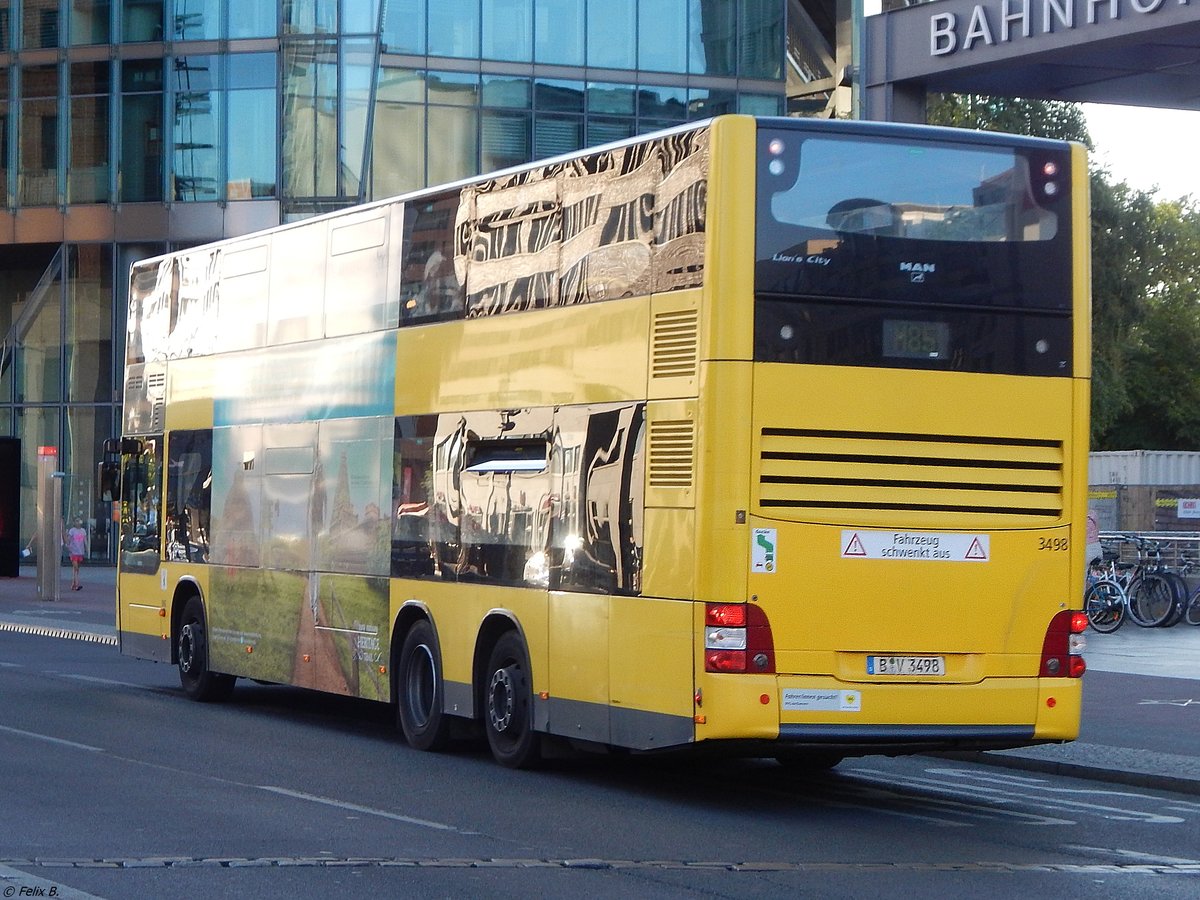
501,699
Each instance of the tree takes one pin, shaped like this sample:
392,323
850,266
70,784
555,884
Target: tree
1145,286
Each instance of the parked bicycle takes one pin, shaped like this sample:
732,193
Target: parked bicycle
1145,591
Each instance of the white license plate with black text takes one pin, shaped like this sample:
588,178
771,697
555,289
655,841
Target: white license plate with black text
906,665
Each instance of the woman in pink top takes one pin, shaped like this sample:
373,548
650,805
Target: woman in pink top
76,547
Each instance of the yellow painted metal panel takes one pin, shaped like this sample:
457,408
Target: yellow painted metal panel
578,655
190,393
651,651
669,559
585,354
140,600
728,331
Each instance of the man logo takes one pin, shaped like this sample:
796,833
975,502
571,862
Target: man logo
917,271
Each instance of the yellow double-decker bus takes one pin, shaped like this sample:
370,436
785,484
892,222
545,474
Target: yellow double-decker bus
762,435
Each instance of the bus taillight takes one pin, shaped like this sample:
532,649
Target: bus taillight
1063,647
737,638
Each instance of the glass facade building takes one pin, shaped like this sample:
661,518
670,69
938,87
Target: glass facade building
130,127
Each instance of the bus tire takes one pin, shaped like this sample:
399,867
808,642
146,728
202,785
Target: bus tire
508,705
199,682
419,690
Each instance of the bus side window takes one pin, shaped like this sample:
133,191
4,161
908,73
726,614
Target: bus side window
141,505
430,289
189,495
416,526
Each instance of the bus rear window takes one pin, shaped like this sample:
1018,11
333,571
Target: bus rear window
912,191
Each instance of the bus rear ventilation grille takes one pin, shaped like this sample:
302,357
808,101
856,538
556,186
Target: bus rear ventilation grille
816,469
672,453
674,344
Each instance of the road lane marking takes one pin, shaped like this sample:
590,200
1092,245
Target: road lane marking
52,740
354,807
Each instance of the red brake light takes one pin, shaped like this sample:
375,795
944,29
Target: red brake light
1062,646
732,615
737,638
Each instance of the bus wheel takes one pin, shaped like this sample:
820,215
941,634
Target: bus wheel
508,705
192,651
419,690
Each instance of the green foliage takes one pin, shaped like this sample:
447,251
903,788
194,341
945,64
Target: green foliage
1145,286
1038,118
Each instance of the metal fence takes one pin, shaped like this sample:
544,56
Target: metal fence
1179,548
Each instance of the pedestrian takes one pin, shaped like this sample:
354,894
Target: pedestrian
76,547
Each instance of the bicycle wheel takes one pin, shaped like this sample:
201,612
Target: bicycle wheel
1192,615
1104,604
1151,600
1180,593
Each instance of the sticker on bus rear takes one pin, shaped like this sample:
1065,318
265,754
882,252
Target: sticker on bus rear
821,700
916,545
762,550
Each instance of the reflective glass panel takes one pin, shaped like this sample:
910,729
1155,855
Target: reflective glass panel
403,28
360,16
556,134
195,20
89,21
712,38
4,143
560,96
310,140
506,91
760,104
142,20
504,139
196,166
142,147
252,70
559,30
612,34
508,29
453,144
87,429
38,130
189,495
457,88
39,355
662,35
254,137
5,27
87,173
454,28
398,152
40,23
257,19
662,103
603,130
760,39
703,104
310,16
615,99
89,323
38,427
357,73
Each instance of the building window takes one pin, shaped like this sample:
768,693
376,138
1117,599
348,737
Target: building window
89,22
142,20
141,167
196,141
88,169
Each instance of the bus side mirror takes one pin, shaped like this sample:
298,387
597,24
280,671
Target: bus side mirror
108,481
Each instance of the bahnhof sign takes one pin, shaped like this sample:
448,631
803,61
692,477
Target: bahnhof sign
1133,52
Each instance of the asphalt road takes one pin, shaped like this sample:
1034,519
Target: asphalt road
114,785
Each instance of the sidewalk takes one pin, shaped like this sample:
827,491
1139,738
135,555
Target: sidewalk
1141,708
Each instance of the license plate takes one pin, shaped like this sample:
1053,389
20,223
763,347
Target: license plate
906,665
